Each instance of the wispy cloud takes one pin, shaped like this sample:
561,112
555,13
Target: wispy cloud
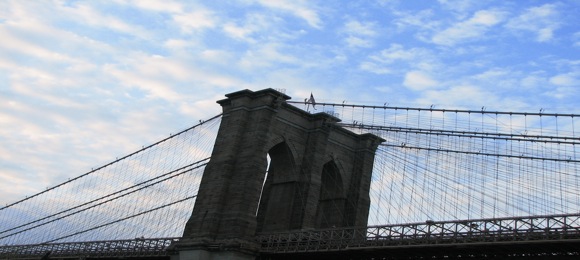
461,95
187,17
424,20
566,80
84,81
359,34
167,6
389,60
539,20
419,81
195,20
460,6
267,56
473,28
87,15
301,9
253,25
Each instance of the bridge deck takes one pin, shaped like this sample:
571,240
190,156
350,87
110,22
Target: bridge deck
536,235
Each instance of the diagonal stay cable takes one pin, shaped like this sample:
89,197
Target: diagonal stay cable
110,223
122,219
109,164
114,193
103,202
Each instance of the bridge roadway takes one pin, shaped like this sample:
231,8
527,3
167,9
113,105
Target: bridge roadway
534,237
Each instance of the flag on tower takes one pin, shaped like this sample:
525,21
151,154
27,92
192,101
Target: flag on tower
311,101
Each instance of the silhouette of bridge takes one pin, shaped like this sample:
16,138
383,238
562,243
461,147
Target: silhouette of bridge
445,183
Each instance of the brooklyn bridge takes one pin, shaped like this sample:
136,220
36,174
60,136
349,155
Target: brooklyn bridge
272,178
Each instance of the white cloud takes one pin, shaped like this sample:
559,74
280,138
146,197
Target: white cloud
423,19
9,41
45,53
383,61
564,85
163,78
253,26
463,95
168,6
360,28
418,80
217,57
299,8
397,52
532,81
566,80
359,34
486,18
492,74
461,6
562,92
541,20
238,32
177,44
471,29
266,56
84,81
196,20
154,88
353,42
375,68
187,21
89,15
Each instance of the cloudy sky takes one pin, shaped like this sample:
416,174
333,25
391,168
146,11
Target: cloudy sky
83,82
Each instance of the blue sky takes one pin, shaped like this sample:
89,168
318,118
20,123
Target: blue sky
83,82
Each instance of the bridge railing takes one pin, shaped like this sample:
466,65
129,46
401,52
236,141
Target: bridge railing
139,247
496,230
554,227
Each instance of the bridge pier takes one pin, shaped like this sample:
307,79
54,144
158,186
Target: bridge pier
318,177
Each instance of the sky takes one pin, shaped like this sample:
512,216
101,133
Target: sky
84,82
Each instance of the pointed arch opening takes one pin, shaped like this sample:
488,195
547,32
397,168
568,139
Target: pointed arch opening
332,200
279,192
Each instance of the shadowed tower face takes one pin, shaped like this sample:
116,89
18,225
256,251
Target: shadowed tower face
318,176
332,200
281,201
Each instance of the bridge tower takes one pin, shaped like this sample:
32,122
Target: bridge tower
318,176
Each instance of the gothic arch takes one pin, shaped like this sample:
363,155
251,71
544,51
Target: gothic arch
280,191
278,139
331,203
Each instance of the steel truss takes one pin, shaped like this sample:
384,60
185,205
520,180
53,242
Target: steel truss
493,231
430,233
138,247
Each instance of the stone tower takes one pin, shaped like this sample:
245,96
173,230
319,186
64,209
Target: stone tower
318,176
